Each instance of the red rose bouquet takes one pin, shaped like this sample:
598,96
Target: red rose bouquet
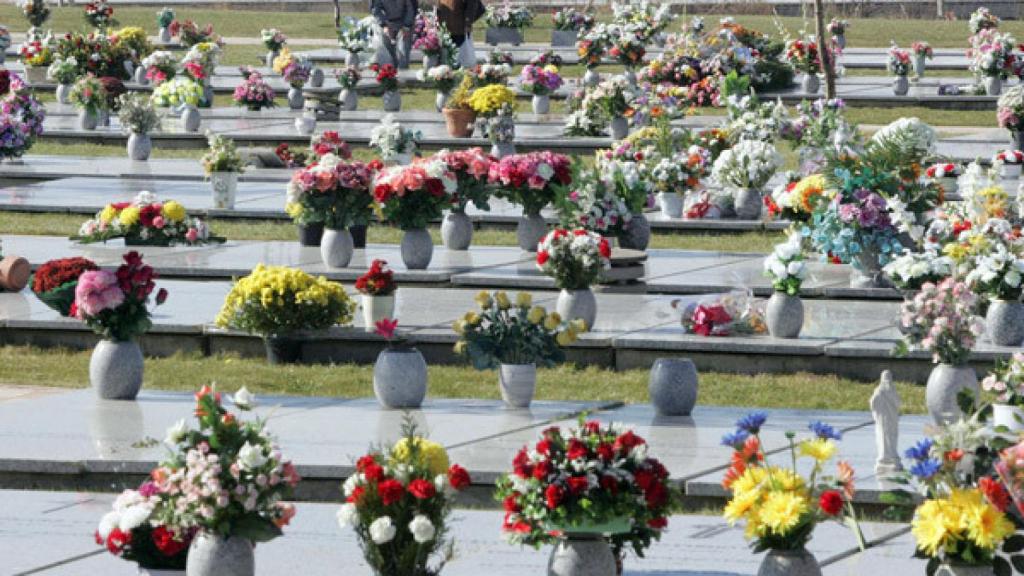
378,281
471,168
413,196
387,76
331,191
131,530
530,180
619,489
54,282
329,142
398,502
114,304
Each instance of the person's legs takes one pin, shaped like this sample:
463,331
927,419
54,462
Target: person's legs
458,39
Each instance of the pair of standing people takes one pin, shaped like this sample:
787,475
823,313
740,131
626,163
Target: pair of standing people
398,17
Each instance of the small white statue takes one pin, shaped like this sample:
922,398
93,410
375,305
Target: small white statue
885,409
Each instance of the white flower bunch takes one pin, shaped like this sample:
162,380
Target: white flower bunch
748,164
574,258
391,138
131,510
998,273
911,136
785,266
912,269
751,119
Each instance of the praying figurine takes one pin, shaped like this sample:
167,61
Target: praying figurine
885,409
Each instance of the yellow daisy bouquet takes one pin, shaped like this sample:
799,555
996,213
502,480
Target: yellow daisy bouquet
504,331
779,506
276,301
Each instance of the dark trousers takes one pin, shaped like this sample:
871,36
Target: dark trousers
458,39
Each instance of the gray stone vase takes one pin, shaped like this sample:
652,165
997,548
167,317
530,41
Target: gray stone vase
63,93
993,85
1004,322
400,378
295,98
316,77
591,77
456,230
352,59
530,230
440,100
944,383
582,555
269,58
582,304
638,235
748,203
784,315
901,85
563,38
673,386
139,146
88,120
502,149
541,104
417,248
517,383
336,247
392,101
810,83
619,128
495,36
789,563
947,569
919,65
140,76
190,118
211,555
349,99
164,35
115,369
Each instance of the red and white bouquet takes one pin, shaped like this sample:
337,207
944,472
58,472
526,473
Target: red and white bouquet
1009,157
99,14
113,304
943,170
329,142
471,168
574,258
531,179
145,221
331,191
591,478
133,531
398,502
227,478
413,196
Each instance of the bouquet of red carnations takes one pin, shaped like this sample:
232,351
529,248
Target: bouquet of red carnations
378,281
54,282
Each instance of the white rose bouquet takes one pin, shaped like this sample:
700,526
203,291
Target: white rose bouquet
785,266
749,164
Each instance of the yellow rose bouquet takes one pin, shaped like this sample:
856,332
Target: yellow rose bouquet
780,506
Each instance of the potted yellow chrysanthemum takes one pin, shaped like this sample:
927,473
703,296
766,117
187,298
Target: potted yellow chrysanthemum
781,507
283,305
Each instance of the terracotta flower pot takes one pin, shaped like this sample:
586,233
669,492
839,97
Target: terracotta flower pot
459,122
14,273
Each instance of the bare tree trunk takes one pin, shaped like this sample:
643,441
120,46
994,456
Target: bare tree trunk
337,13
824,50
940,8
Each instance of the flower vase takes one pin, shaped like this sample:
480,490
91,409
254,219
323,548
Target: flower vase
637,234
517,383
672,386
268,60
919,65
582,555
541,104
116,368
417,248
1012,417
305,125
352,59
349,99
563,38
530,230
630,75
190,118
140,76
456,230
224,185
316,77
63,92
212,555
295,98
336,247
1017,139
993,85
377,308
164,35
784,315
400,378
104,117
160,572
944,383
431,61
789,563
139,146
1004,322
591,77
840,41
901,85
810,83
88,120
459,123
502,149
581,304
310,234
1010,171
748,203
283,349
671,204
619,128
440,100
392,101
35,74
867,270
207,100
949,569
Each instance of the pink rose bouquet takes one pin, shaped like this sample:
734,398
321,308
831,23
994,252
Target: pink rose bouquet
413,196
254,93
331,191
113,304
471,168
942,319
531,180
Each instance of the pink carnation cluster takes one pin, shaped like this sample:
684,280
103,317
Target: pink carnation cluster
535,170
97,291
254,92
428,175
942,318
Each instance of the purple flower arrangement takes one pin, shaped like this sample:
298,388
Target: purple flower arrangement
254,93
540,80
869,210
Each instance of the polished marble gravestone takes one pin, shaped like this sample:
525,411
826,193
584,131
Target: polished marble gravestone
694,545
